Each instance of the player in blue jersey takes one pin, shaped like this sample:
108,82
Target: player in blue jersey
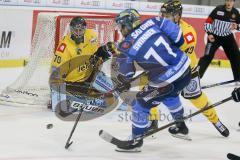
155,48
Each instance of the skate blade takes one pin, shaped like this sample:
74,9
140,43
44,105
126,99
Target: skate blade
182,136
135,150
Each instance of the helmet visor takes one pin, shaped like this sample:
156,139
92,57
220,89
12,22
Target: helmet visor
78,30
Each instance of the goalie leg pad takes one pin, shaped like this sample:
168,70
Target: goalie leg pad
91,107
103,83
58,94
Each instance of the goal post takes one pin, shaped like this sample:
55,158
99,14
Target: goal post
31,88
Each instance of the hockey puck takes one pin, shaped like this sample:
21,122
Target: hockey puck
49,126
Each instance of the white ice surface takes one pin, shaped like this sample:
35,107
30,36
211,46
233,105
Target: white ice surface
23,133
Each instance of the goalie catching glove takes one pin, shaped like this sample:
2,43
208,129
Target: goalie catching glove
236,94
106,51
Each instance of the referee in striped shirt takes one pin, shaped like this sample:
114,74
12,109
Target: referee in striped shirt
219,26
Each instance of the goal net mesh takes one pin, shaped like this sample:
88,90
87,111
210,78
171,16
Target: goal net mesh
31,87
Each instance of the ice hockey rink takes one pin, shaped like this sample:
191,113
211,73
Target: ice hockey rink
24,135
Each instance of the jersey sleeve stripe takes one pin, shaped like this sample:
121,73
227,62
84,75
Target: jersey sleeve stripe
178,71
141,126
176,110
179,36
162,23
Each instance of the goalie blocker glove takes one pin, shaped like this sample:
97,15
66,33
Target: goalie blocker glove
236,94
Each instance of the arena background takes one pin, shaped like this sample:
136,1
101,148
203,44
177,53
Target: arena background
16,33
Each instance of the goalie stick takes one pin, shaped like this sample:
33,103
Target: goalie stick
66,114
123,143
68,143
233,156
219,84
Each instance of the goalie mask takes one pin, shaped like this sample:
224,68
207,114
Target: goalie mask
77,29
172,10
127,21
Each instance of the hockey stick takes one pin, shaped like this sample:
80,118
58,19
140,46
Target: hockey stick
233,156
68,143
219,84
66,114
122,144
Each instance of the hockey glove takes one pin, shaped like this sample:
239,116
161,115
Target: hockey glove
236,94
106,51
111,48
123,83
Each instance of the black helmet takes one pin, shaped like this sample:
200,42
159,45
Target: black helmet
172,7
77,29
129,18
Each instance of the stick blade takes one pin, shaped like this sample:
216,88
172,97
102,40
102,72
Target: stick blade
106,136
232,156
68,145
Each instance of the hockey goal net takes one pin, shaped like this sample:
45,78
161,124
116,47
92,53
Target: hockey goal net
31,87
